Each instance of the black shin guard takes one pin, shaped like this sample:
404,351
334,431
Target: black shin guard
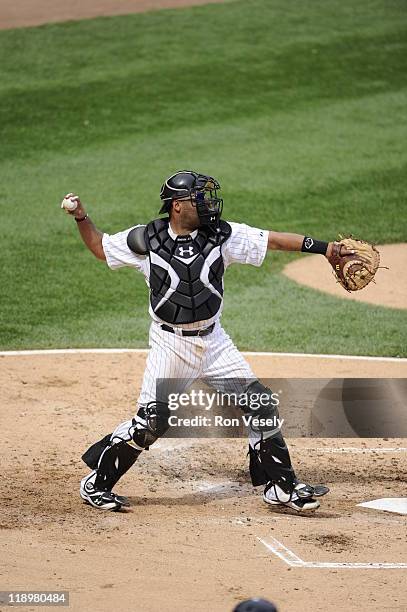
92,455
115,462
112,459
270,462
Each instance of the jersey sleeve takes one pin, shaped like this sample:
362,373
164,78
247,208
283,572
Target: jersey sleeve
246,245
118,253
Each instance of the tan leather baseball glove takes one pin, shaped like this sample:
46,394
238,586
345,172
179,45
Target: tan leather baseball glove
354,271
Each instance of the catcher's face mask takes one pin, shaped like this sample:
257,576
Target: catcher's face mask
208,205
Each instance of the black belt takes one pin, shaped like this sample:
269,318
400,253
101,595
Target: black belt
189,332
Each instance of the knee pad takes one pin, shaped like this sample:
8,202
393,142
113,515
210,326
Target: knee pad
150,423
263,406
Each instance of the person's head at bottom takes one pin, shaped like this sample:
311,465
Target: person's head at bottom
255,605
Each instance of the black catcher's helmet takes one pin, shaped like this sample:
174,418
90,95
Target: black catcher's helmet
202,189
255,605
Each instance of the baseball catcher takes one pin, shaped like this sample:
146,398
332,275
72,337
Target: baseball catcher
183,257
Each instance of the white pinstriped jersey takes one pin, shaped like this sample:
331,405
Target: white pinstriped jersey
246,245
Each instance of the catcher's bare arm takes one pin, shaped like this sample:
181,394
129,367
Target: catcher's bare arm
90,234
282,241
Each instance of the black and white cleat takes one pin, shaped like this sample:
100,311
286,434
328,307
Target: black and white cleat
102,500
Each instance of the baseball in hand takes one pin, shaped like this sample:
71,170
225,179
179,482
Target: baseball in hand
70,202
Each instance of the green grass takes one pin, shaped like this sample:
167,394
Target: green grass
298,109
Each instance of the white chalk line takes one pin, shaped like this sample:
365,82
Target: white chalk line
340,450
321,356
284,553
107,351
287,555
355,450
73,351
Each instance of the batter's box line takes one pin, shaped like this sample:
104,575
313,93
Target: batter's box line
287,555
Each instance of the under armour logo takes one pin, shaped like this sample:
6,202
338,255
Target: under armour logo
308,242
189,251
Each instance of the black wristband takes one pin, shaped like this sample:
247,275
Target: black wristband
310,245
81,219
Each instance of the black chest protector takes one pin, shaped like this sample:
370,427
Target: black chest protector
186,274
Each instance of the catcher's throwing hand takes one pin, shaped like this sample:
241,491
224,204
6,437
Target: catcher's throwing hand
355,262
73,206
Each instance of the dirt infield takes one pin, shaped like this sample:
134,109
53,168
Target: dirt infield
196,535
22,13
389,290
